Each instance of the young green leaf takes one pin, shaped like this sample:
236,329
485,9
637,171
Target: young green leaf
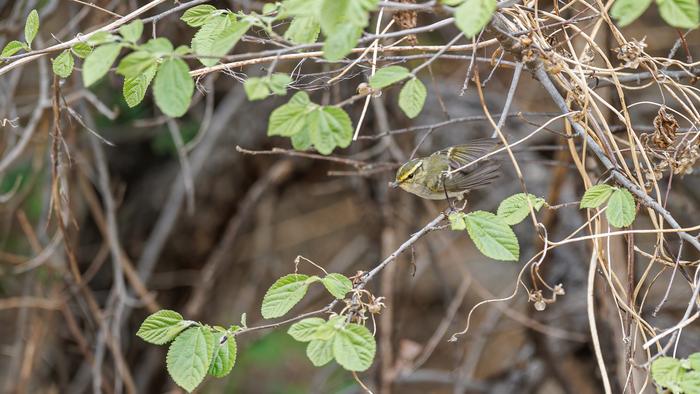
621,208
31,27
256,88
595,196
320,352
457,221
690,382
158,47
412,97
81,50
190,356
286,292
665,371
329,127
224,357
11,48
387,76
101,37
173,87
289,119
135,64
492,236
473,15
337,284
98,62
515,208
327,330
303,30
694,361
134,89
683,14
198,15
304,330
354,347
451,3
63,64
216,38
278,83
627,11
132,31
162,326
301,140
341,42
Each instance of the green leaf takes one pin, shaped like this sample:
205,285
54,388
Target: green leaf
690,382
354,347
451,3
621,208
31,27
694,361
335,14
337,284
132,32
387,76
198,15
303,30
256,88
627,11
329,127
473,15
173,87
158,47
135,63
63,64
289,119
11,48
162,326
412,97
492,236
595,196
81,50
182,50
134,89
683,14
665,371
278,83
189,357
101,37
224,357
98,62
304,330
216,38
320,352
457,221
327,331
341,42
286,292
301,140
515,208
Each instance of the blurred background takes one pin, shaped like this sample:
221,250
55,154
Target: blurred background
206,234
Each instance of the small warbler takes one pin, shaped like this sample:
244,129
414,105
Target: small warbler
443,174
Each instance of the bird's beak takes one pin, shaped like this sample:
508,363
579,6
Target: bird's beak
394,184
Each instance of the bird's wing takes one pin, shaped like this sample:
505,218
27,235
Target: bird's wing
476,175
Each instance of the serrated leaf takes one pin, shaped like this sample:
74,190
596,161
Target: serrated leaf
665,371
329,127
135,63
31,27
320,352
327,331
473,15
683,14
134,89
289,119
354,347
412,97
81,50
621,208
627,11
387,76
158,47
595,196
341,42
189,357
304,330
224,357
457,221
256,88
62,65
101,37
694,361
337,284
11,48
216,38
98,62
281,297
515,208
278,82
198,15
132,31
492,236
303,30
161,327
173,87
690,382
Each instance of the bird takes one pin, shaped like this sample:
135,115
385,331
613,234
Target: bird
448,173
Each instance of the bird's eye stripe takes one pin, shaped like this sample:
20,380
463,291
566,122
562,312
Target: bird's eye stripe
410,172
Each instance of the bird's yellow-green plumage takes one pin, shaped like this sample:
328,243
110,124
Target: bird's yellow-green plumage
448,172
